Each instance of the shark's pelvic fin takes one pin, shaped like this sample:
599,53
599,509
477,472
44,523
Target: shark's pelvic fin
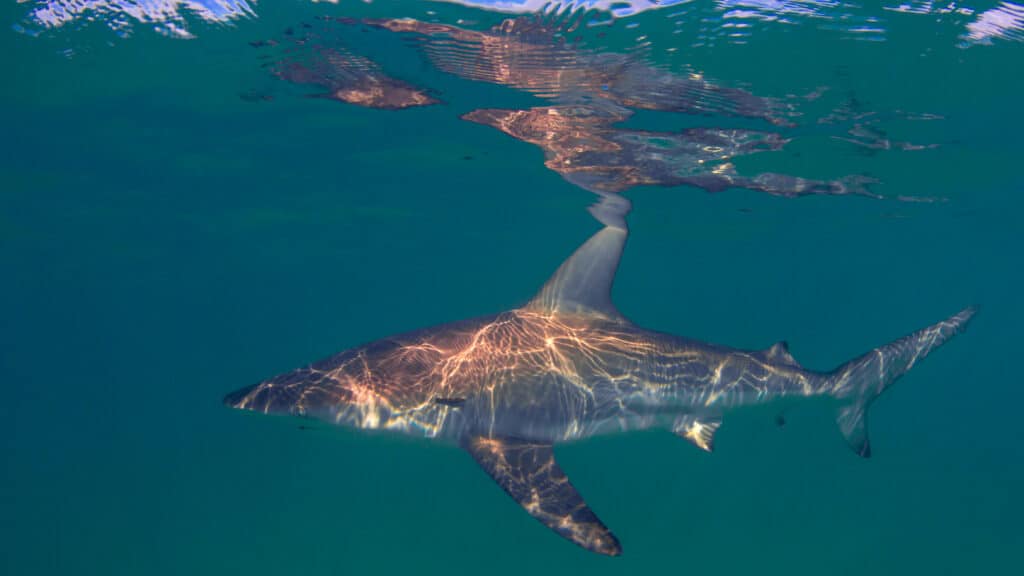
583,283
528,472
860,381
699,429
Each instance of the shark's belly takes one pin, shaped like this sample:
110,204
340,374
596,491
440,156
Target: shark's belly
553,408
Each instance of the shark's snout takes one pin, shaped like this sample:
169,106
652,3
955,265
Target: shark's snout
237,398
302,392
268,397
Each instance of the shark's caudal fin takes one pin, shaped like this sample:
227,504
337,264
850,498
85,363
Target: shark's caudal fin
861,380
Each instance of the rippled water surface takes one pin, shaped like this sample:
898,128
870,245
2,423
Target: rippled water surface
198,195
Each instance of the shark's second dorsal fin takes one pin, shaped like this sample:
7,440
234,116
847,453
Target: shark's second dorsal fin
779,352
583,283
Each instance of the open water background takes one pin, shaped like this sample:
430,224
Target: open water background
164,241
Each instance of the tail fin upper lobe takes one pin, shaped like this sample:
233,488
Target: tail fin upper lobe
861,380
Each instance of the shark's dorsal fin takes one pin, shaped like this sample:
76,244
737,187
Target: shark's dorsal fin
779,352
583,283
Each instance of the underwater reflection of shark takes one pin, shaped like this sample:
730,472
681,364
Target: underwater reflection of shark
345,76
567,366
581,144
530,54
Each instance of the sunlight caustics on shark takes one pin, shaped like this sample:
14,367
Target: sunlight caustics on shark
566,366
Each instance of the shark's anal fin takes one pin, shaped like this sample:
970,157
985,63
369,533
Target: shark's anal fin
699,429
528,472
583,283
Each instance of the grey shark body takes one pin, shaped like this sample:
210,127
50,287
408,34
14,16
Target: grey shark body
567,366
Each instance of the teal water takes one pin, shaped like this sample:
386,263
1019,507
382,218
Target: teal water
164,241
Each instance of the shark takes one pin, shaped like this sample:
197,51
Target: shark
568,365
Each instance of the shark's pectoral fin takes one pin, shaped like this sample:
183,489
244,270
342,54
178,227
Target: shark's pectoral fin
699,429
529,473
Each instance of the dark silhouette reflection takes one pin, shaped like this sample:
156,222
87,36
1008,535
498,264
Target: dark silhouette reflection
870,138
581,144
354,79
865,128
530,54
341,74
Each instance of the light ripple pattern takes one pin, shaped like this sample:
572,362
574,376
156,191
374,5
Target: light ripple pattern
1005,22
166,16
732,21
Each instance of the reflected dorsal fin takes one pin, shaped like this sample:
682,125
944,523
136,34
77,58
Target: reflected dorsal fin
779,352
583,283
